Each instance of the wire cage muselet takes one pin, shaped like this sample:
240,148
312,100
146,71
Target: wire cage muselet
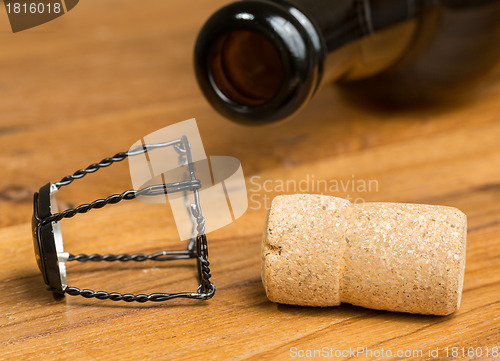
47,238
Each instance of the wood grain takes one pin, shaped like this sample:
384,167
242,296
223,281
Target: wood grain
91,83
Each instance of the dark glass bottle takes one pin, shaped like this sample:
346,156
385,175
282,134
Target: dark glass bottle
260,61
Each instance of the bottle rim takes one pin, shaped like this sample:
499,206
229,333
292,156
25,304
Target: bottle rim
296,42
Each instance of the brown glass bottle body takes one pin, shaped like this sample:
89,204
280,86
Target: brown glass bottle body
259,61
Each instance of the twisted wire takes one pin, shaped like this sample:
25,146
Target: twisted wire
106,162
200,220
206,289
118,157
205,276
181,150
139,257
203,263
84,208
141,298
127,195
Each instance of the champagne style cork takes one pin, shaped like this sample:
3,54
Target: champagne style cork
323,251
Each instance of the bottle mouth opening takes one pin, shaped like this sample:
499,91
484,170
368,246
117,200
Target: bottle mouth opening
246,67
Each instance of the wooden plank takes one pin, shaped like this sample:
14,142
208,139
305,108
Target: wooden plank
91,83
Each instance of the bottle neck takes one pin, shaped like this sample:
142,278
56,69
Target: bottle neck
259,61
363,37
342,22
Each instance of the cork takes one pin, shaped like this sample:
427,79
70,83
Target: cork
324,251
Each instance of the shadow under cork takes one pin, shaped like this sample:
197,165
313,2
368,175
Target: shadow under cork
251,293
350,311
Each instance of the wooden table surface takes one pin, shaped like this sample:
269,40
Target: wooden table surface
94,81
